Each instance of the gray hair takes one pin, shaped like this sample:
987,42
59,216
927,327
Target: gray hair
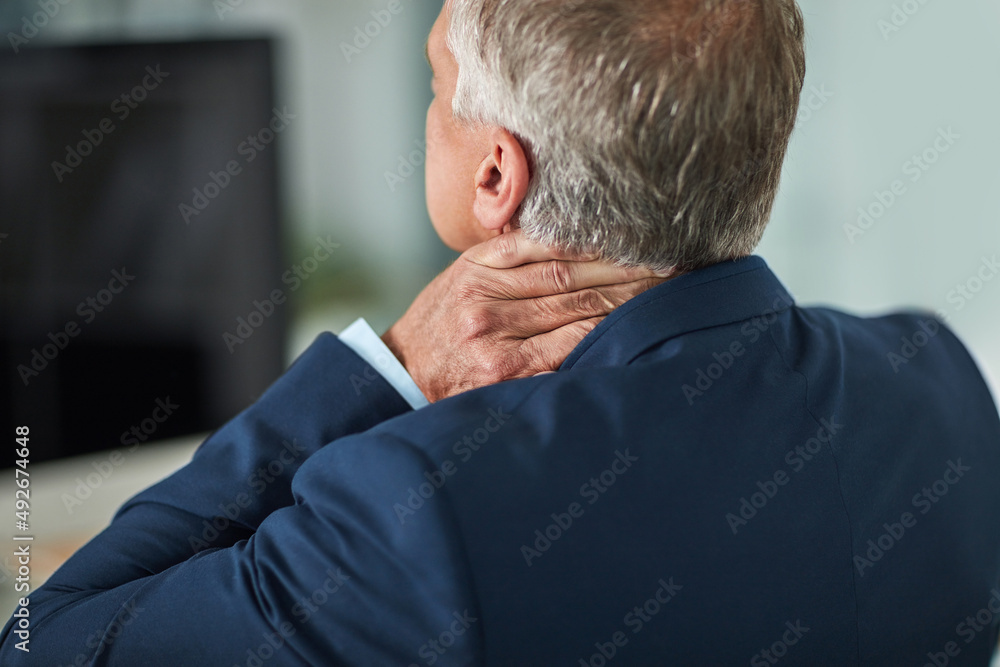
655,129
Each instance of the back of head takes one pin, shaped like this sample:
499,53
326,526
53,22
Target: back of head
656,129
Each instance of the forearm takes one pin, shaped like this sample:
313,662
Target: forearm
239,476
332,579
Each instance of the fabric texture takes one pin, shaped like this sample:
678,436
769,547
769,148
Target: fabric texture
714,476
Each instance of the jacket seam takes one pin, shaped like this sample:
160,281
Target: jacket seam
840,490
453,516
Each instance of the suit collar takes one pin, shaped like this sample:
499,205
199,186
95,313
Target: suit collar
722,294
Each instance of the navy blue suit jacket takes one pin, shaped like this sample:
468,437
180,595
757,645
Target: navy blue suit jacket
714,477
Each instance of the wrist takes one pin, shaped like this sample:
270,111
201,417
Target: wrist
391,340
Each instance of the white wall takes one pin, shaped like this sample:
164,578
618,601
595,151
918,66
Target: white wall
890,97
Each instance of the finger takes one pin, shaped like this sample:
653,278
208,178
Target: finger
513,249
560,277
531,317
547,352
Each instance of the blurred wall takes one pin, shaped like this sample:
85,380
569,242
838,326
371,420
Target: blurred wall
355,75
890,86
886,87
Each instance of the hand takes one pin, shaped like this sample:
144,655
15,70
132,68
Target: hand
507,308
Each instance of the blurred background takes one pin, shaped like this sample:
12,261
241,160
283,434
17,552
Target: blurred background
889,201
329,209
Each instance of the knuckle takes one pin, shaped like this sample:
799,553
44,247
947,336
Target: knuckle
559,276
592,301
475,324
505,248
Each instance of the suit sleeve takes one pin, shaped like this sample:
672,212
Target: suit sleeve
226,560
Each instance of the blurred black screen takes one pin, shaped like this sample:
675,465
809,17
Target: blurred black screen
137,223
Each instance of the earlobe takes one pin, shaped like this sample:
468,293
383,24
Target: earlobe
501,181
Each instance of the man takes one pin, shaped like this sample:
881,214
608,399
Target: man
713,476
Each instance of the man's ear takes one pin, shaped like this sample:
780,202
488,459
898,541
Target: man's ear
501,181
